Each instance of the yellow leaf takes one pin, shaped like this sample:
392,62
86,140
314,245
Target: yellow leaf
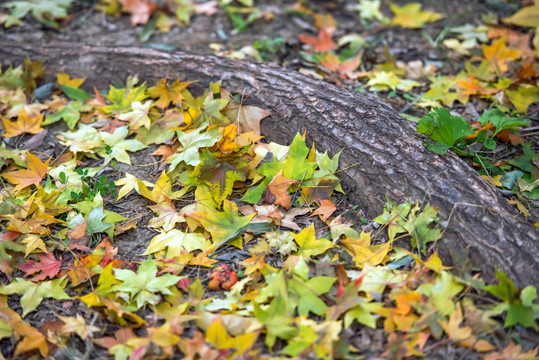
493,180
309,245
64,79
24,124
528,16
33,242
523,97
26,177
76,325
411,16
498,55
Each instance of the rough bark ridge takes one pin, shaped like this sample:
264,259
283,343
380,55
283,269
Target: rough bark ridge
383,154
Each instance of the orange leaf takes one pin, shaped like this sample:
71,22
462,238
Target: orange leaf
321,43
24,124
140,10
327,207
278,186
498,55
26,177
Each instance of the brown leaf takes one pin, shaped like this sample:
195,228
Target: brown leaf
79,238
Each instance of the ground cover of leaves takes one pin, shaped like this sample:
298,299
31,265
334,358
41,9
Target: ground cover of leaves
248,248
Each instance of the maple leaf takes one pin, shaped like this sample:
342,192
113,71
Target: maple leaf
24,124
442,292
70,113
370,10
278,186
192,142
498,55
161,191
364,253
411,16
47,266
527,16
7,243
128,183
217,335
345,69
513,352
140,10
26,177
196,348
224,226
167,217
32,339
138,117
321,43
176,240
118,145
248,117
33,293
77,325
220,174
168,93
523,97
143,284
327,207
64,79
308,244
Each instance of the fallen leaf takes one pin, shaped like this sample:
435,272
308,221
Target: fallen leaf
321,43
26,177
24,124
411,16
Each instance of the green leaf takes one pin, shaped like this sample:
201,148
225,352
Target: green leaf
75,93
118,145
175,241
33,293
500,121
143,284
191,143
505,290
443,127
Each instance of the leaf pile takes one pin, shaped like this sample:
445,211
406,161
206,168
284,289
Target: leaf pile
235,268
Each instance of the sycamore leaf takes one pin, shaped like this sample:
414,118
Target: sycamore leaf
308,244
513,352
122,98
86,139
168,93
26,177
498,55
278,186
138,116
128,183
370,10
140,10
523,97
192,142
32,339
118,145
175,241
143,284
167,217
24,124
411,16
442,292
69,113
33,293
527,16
217,335
161,191
77,325
321,43
64,79
223,226
248,117
47,266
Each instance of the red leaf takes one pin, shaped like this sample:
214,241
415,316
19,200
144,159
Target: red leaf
47,266
321,43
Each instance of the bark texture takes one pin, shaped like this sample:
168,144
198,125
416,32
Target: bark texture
389,154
